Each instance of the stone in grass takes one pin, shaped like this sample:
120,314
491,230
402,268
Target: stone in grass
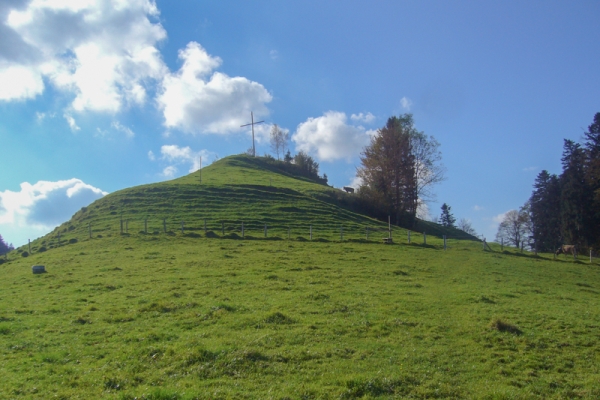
38,269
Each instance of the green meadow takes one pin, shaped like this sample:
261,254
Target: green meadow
154,313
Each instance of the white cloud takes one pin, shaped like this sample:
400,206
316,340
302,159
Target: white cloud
274,54
45,204
169,171
71,122
102,51
197,100
151,155
530,169
406,103
117,126
478,208
330,137
356,182
184,155
499,218
423,211
366,118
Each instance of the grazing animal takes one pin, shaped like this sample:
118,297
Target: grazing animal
349,189
567,248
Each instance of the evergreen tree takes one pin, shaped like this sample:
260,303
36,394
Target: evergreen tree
575,199
544,214
447,219
592,173
288,157
5,247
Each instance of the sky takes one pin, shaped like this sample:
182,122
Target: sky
101,95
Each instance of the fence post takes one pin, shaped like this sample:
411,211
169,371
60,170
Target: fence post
182,223
29,241
288,232
444,242
90,229
424,238
145,225
265,230
205,226
389,227
222,228
367,229
502,244
242,229
126,226
311,232
341,232
164,225
408,237
121,225
590,256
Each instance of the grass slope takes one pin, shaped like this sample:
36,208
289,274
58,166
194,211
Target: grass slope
167,317
233,190
187,315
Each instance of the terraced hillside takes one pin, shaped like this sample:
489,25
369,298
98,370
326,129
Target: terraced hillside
217,200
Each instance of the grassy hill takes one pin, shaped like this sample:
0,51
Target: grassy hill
185,316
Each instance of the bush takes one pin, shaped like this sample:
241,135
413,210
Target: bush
24,254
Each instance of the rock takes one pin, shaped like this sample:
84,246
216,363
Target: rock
38,269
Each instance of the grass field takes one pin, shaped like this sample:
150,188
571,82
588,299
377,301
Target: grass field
186,315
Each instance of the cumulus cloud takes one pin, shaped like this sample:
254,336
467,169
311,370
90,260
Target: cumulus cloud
184,156
151,155
46,204
330,137
197,100
406,103
360,117
102,51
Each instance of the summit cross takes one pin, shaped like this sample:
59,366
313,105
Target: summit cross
252,124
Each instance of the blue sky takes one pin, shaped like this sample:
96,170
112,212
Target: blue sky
96,96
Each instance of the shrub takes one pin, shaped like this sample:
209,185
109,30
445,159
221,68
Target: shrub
25,254
501,326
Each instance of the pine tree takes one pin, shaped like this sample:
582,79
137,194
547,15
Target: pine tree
576,198
4,247
592,175
447,219
544,215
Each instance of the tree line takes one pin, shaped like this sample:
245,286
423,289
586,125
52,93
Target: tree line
565,208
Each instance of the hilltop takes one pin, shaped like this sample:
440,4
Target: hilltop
231,191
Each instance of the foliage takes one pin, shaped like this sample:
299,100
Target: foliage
514,228
5,247
566,209
544,215
446,218
466,226
278,140
399,167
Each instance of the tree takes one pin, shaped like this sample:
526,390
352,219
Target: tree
399,168
544,212
278,140
387,169
288,158
575,197
307,164
427,164
514,228
465,226
5,247
447,219
592,175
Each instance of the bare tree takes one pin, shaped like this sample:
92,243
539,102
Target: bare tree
428,169
465,226
514,228
279,140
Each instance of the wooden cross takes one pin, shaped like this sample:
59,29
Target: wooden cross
252,124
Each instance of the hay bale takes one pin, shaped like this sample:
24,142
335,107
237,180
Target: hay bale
38,269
